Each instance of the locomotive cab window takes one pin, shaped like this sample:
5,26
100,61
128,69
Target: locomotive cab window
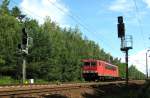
93,63
89,63
86,63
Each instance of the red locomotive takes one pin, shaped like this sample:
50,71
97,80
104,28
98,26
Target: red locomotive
99,70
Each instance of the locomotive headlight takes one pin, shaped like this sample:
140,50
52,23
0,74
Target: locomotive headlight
85,71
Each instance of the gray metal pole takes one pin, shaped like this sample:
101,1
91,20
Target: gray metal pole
146,66
24,70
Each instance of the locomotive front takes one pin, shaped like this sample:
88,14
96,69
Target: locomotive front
89,70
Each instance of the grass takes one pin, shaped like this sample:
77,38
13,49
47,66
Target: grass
7,80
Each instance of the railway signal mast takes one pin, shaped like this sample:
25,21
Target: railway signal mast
26,40
126,42
23,47
24,52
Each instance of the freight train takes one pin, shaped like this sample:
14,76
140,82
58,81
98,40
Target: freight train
93,70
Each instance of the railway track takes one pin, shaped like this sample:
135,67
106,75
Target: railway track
43,89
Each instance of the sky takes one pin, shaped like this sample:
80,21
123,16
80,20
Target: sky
97,20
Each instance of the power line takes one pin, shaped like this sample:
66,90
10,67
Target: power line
77,19
73,17
137,13
139,21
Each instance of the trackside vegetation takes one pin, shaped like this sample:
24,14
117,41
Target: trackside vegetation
55,54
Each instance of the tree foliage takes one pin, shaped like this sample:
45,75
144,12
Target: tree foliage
135,74
55,54
4,8
15,12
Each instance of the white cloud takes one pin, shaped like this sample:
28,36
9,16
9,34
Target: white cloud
147,2
39,9
122,6
139,60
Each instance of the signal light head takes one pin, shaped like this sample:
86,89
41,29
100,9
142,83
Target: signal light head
120,19
121,27
24,37
121,30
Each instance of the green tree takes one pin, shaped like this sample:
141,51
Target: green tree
4,8
15,11
135,74
9,39
122,70
56,53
